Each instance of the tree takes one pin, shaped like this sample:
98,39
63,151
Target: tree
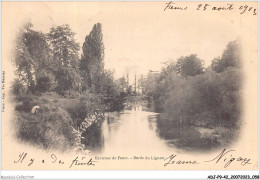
151,84
67,79
189,66
231,57
65,57
141,84
122,84
63,45
127,75
38,49
18,88
45,81
107,83
32,54
92,58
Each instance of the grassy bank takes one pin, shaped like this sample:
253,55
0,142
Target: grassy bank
57,123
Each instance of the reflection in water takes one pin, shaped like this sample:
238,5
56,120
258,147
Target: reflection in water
152,120
137,130
132,130
94,139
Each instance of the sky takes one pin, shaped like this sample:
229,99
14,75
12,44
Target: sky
138,36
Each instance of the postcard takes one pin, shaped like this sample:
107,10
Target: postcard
166,85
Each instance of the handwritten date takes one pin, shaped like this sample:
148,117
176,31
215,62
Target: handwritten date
209,7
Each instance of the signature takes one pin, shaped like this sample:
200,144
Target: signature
227,158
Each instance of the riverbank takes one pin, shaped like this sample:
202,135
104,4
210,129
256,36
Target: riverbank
59,122
195,138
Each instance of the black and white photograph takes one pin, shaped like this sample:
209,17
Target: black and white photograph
129,85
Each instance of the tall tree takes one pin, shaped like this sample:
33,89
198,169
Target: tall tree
92,58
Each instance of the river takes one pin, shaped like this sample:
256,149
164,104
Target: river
131,130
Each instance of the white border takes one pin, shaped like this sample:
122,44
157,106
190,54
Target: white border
172,174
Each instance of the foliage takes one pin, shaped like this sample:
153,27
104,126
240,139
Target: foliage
92,57
189,66
31,55
18,88
191,96
45,81
157,86
50,128
108,85
151,83
122,84
65,58
67,78
26,103
48,64
49,131
63,46
231,57
210,98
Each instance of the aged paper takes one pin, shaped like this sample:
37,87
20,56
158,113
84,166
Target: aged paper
138,39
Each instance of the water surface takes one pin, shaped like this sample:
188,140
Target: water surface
131,130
